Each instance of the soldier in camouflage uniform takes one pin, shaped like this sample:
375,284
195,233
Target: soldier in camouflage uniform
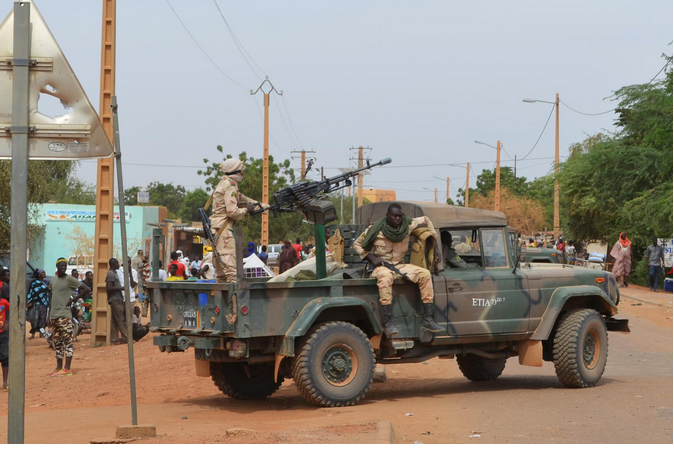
226,212
388,240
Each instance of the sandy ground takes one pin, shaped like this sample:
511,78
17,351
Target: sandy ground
427,402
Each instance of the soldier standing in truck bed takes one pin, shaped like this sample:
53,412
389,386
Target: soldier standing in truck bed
226,212
388,240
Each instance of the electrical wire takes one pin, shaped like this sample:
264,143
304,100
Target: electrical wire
291,122
204,51
540,135
612,110
262,118
587,114
285,126
238,43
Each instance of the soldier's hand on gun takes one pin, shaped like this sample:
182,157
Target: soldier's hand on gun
251,207
374,259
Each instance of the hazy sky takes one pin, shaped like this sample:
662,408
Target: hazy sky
417,81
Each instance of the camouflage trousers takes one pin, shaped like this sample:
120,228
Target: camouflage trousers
224,244
63,337
385,278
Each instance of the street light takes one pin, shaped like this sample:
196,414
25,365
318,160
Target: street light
497,193
556,103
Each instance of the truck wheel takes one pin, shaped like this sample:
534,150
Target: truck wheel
478,368
245,381
580,348
335,365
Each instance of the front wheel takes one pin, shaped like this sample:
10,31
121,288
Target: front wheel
335,365
245,381
580,348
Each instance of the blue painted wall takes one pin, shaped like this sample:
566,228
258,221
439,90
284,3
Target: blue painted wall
61,224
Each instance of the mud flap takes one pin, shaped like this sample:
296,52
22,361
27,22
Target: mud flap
203,367
619,325
531,353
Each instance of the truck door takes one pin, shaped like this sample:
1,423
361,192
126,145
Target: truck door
490,299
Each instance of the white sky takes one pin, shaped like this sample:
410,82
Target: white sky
415,81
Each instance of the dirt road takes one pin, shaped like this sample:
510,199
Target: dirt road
428,402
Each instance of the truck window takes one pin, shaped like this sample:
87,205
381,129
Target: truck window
493,244
462,245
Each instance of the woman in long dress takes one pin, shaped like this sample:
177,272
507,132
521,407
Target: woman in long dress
287,258
622,253
38,302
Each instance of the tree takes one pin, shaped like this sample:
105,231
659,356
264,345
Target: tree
131,196
47,181
167,195
522,213
192,202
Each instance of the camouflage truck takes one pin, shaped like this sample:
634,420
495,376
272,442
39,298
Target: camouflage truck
325,334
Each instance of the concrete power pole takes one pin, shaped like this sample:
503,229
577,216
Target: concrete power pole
447,199
497,195
465,203
264,238
360,177
105,181
556,216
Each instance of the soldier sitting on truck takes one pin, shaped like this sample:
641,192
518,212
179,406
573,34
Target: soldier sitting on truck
387,240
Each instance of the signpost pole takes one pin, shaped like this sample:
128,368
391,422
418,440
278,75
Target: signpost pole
19,225
127,267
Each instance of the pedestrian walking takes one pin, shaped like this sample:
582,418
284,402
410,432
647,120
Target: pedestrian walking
655,256
61,288
622,253
37,303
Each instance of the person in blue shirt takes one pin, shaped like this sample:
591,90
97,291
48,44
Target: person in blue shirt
263,254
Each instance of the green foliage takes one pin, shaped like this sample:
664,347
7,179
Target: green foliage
624,182
47,181
131,196
192,202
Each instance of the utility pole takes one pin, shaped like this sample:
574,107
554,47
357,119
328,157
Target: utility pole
515,171
264,239
435,193
465,203
556,216
497,200
303,162
360,176
447,200
105,181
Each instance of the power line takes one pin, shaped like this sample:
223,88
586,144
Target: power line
202,50
587,114
290,120
270,135
286,126
238,43
540,135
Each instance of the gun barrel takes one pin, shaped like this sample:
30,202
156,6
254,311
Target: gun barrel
351,173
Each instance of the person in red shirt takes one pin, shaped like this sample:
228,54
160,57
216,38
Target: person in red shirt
181,266
298,248
4,333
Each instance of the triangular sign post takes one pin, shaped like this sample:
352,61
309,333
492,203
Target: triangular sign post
78,133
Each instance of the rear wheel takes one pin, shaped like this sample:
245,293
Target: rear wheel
335,365
245,381
478,368
580,348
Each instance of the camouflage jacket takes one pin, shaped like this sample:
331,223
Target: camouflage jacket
226,201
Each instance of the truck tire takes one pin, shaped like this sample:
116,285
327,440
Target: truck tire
245,381
478,368
580,348
335,365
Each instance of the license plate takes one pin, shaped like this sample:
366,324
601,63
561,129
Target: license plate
190,319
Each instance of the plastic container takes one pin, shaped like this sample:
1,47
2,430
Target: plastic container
668,285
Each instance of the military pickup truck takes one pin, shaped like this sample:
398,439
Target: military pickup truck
326,334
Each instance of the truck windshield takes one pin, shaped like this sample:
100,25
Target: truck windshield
493,244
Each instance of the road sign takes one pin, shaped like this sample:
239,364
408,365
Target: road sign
77,133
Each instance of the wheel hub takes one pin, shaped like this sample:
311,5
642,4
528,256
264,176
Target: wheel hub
591,350
339,365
